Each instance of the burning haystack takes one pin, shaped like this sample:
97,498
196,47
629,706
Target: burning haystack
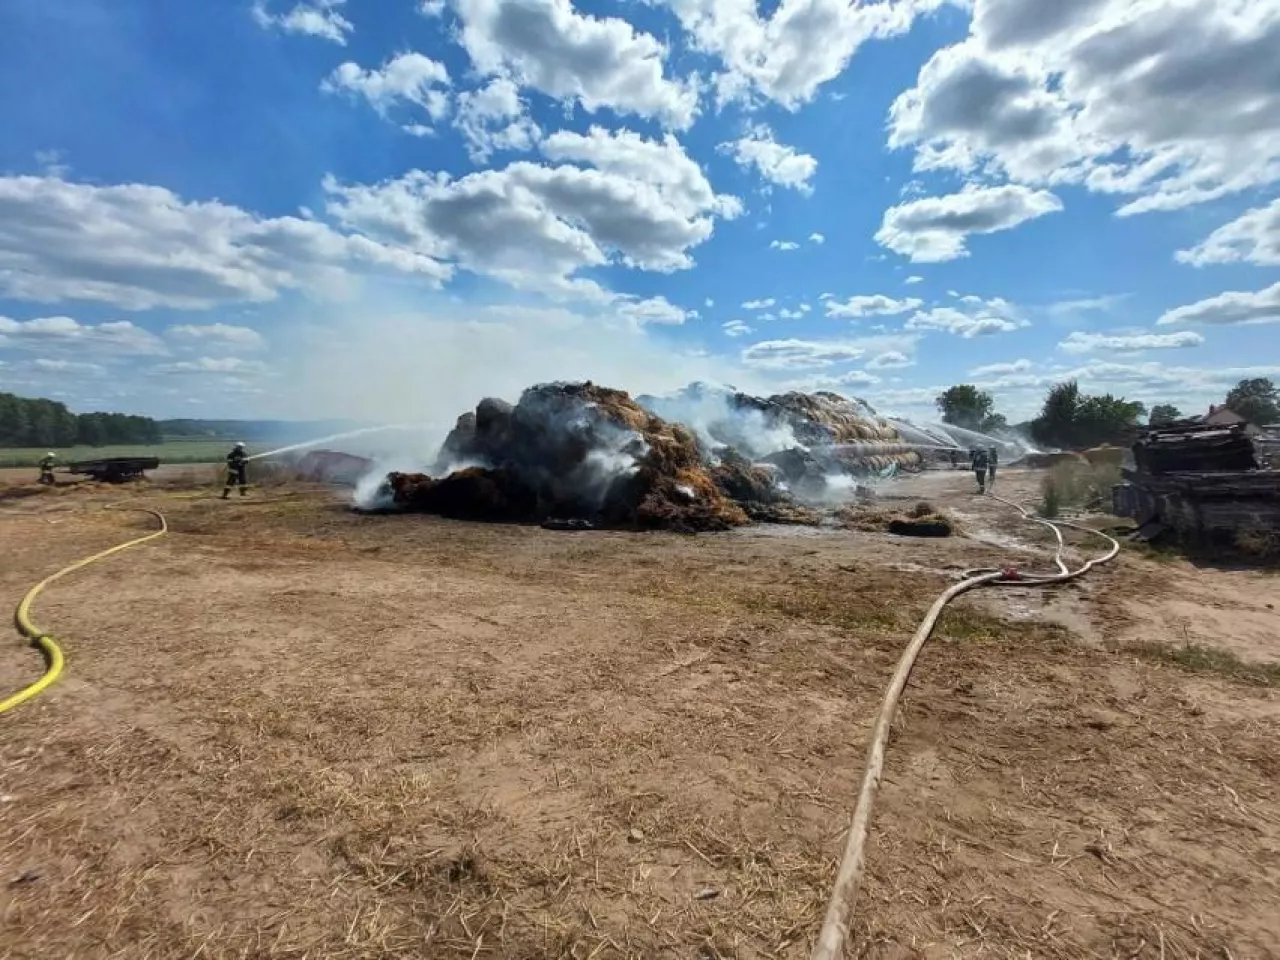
807,438
570,451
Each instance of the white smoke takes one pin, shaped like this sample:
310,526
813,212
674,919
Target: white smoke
708,410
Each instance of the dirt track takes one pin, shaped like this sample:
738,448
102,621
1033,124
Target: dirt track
289,731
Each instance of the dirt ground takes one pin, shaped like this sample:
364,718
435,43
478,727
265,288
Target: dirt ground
290,731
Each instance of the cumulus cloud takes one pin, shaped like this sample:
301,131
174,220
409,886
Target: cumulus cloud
1169,104
777,163
787,56
596,61
642,203
736,328
1079,342
223,334
876,305
934,229
913,279
889,360
140,247
315,18
971,317
799,354
1066,308
784,245
817,238
997,369
67,366
494,118
408,78
215,365
652,310
759,304
1232,307
431,8
1253,237
115,336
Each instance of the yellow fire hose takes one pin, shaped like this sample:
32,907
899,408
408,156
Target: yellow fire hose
47,645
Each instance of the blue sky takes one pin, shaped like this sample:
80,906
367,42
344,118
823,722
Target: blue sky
340,207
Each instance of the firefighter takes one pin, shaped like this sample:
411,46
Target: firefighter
978,458
237,466
47,463
993,458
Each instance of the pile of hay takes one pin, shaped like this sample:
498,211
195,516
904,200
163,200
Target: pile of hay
920,520
571,450
808,436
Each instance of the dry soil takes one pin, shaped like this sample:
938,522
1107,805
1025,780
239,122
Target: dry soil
290,731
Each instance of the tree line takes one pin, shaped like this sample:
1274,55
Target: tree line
1070,418
28,422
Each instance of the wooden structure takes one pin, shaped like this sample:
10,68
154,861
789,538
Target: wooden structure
114,469
1201,483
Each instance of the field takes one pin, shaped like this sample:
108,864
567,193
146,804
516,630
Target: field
172,451
287,731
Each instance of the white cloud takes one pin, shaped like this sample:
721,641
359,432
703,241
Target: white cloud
1232,307
494,118
1253,237
913,279
736,328
408,77
431,8
837,383
67,366
889,360
316,18
644,203
934,229
777,163
973,317
708,303
140,247
115,336
783,245
786,313
875,305
215,365
800,354
218,334
995,369
1065,308
759,304
786,57
1168,103
1079,342
817,238
652,310
599,62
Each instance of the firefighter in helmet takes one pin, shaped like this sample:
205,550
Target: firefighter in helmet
47,463
237,470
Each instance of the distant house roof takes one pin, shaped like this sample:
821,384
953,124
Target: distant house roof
1224,417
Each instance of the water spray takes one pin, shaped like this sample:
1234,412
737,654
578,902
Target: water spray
330,438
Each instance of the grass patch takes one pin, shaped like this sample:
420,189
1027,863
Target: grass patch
1196,658
178,451
1077,486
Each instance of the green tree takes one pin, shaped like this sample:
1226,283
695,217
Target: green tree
965,406
1163,414
1257,400
1070,418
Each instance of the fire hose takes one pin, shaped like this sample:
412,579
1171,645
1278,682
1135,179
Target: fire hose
47,645
835,927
